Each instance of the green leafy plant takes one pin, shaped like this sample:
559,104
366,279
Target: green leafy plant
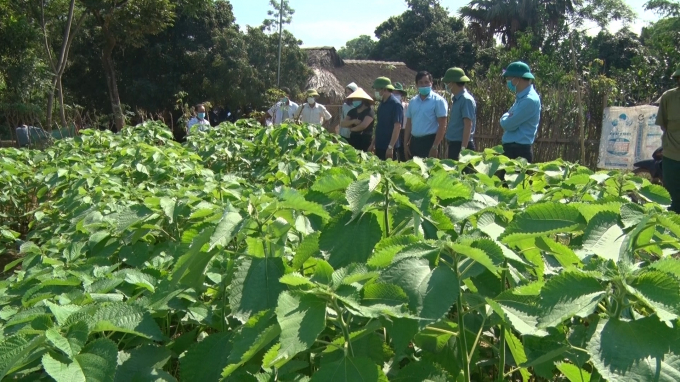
282,254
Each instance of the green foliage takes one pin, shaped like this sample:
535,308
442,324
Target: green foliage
297,257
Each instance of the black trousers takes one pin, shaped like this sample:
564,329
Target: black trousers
671,180
401,155
382,154
516,150
455,147
421,146
360,142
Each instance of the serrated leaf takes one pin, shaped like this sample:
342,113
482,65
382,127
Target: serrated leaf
294,200
564,255
657,194
603,236
97,362
543,219
205,360
62,312
350,369
295,279
301,318
387,294
477,254
330,183
14,349
569,294
72,342
189,270
224,231
388,247
518,354
659,291
359,192
255,335
572,372
255,286
522,312
423,287
622,350
122,317
445,187
422,371
308,247
348,241
144,363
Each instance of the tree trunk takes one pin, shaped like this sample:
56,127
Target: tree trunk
50,104
579,102
110,73
62,111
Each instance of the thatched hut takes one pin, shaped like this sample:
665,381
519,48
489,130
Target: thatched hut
331,74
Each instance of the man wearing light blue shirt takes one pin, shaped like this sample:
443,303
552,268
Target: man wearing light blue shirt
520,123
425,120
463,118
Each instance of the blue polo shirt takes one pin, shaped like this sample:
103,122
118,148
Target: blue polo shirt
390,112
423,114
520,123
464,106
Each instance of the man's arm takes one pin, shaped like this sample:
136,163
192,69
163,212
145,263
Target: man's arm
467,131
469,113
661,118
522,111
441,131
363,125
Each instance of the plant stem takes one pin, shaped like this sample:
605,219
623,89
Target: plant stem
387,208
501,344
462,343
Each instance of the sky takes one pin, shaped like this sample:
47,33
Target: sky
334,22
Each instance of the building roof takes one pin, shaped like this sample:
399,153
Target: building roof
332,73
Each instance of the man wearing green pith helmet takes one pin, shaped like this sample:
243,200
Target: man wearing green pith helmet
463,114
668,117
520,123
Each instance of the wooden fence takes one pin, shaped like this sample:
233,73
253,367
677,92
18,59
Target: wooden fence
558,134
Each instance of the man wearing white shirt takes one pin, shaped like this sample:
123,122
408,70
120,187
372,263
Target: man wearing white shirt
284,110
198,123
313,112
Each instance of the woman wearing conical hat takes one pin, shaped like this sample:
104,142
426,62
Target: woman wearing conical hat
359,120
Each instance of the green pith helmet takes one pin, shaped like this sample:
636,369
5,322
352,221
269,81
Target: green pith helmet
455,75
400,88
312,93
677,73
518,69
382,83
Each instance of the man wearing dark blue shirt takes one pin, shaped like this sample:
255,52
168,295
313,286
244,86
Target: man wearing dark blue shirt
390,119
520,123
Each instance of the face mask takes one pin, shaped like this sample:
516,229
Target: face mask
425,90
356,103
512,87
201,115
398,97
377,95
284,100
311,100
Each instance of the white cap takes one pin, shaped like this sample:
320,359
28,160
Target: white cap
352,86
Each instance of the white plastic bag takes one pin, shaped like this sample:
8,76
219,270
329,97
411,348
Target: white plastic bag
345,132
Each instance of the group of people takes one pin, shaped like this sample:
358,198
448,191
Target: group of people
417,127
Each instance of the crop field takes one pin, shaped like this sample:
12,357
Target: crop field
282,254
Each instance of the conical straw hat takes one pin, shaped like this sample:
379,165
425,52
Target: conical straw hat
360,94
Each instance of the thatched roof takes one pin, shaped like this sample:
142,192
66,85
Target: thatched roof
332,74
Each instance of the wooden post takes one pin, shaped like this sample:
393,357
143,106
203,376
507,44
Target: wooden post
579,101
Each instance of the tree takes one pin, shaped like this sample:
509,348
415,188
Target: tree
124,23
425,36
53,11
274,15
359,48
